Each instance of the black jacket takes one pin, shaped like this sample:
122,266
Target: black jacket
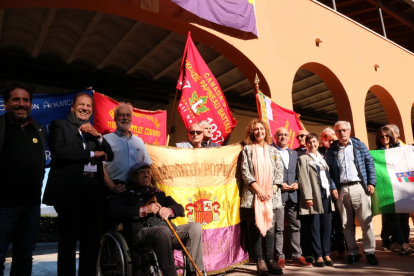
68,160
124,207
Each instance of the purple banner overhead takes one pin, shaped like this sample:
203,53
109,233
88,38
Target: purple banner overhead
237,14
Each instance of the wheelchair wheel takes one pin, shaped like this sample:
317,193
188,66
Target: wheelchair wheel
114,256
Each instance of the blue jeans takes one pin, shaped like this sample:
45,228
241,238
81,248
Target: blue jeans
19,226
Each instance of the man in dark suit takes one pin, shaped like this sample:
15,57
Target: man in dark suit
145,222
22,159
289,189
75,186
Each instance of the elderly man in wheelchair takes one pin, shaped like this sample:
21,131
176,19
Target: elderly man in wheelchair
146,222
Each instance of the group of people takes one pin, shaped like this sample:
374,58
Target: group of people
86,166
319,188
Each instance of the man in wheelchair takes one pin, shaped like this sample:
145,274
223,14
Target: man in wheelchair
146,222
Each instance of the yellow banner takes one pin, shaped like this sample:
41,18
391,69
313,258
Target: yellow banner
202,180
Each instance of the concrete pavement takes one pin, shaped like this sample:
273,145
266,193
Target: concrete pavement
44,264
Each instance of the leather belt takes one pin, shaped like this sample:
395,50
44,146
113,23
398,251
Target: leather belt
351,183
89,174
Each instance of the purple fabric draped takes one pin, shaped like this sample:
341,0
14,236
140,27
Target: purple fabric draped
237,14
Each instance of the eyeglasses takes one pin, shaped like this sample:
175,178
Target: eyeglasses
144,171
342,130
192,132
300,136
283,134
384,136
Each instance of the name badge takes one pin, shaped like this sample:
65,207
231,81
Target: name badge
90,168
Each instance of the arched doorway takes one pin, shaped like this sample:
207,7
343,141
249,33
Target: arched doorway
381,109
319,97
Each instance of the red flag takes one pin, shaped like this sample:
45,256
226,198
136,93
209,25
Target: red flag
202,97
278,116
150,126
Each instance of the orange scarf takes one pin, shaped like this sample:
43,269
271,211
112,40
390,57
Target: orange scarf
263,172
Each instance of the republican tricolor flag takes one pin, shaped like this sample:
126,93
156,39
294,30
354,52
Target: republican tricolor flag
394,192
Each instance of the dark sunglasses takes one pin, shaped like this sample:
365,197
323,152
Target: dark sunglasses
384,136
192,132
300,136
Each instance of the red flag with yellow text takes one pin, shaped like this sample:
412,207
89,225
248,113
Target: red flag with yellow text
150,126
278,116
202,97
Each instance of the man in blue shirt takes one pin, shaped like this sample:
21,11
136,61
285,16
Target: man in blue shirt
128,150
353,180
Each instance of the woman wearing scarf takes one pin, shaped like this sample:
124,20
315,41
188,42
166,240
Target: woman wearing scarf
315,201
262,172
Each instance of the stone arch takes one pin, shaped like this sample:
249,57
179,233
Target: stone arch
133,10
335,87
390,107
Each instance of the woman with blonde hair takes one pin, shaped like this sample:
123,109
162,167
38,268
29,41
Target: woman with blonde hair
262,172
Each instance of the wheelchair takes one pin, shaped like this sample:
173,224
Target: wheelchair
117,259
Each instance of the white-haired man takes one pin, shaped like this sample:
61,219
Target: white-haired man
207,134
128,150
353,180
326,138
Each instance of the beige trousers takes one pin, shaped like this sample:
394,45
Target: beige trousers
353,198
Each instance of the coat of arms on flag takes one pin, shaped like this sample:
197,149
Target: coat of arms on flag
203,210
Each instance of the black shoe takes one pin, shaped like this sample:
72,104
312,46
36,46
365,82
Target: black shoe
352,259
274,268
329,263
262,267
319,264
372,260
309,259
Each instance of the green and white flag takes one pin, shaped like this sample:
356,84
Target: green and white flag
394,192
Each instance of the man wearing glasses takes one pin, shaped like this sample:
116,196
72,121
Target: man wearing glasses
353,180
301,150
144,220
195,137
128,150
289,189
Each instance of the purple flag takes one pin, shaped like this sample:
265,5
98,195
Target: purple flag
237,14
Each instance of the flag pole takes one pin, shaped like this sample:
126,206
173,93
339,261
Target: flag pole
256,83
172,117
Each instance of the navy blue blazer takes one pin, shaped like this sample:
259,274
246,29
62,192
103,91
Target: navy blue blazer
289,177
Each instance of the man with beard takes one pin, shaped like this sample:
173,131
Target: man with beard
128,150
207,134
22,159
75,186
